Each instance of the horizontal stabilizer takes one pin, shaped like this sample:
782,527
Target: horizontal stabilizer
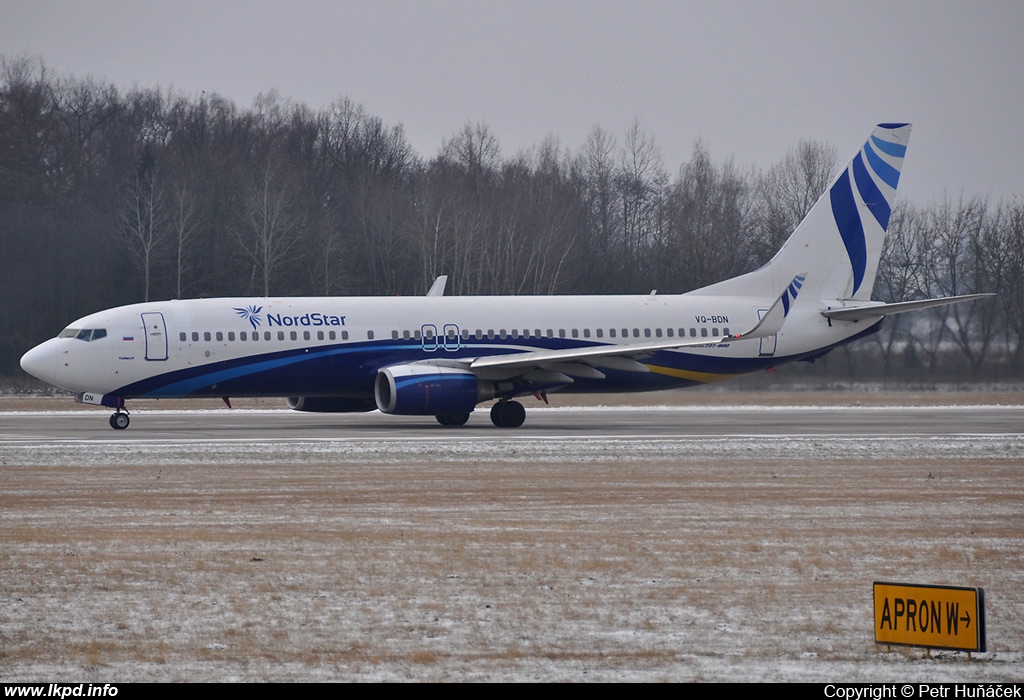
877,309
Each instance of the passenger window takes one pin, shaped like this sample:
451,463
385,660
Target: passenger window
669,332
207,337
693,332
182,337
266,335
703,332
394,335
319,335
714,332
231,336
575,333
657,332
305,335
561,332
636,332
725,331
195,337
220,337
293,335
369,335
243,336
611,332
600,333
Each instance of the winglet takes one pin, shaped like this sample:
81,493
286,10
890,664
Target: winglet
771,322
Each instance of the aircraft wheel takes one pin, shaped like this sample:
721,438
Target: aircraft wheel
119,421
454,419
508,414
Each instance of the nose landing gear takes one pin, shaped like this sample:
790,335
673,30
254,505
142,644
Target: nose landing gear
119,420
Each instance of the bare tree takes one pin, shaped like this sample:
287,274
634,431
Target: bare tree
788,190
142,218
272,226
641,182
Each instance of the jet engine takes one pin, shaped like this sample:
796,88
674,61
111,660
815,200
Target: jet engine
429,390
329,404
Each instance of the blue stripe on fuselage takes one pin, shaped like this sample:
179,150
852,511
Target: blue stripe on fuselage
350,369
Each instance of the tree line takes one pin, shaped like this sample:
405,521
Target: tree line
109,197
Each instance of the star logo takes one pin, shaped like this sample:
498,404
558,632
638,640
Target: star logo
250,314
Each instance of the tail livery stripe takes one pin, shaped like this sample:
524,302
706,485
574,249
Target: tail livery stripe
866,170
844,209
870,193
889,174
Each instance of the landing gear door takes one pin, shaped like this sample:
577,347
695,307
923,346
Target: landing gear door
767,342
156,336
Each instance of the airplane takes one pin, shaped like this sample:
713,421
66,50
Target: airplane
442,356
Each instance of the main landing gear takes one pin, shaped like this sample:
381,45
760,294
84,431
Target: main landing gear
504,414
454,419
508,414
119,420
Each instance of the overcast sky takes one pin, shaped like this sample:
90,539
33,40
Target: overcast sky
750,78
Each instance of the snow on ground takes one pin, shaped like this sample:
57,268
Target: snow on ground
741,557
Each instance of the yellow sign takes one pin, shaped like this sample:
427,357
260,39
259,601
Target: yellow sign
946,617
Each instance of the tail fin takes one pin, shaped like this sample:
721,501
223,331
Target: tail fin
839,243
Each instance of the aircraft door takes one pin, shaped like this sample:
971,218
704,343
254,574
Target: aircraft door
768,342
428,337
452,341
156,336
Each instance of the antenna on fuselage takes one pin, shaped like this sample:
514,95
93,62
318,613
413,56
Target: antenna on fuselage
437,288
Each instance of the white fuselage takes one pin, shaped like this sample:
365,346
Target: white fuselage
335,345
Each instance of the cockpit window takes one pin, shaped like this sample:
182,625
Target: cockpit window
86,334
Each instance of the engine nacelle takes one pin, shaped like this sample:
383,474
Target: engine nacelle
429,390
329,404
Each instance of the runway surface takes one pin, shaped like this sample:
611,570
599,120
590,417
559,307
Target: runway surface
631,424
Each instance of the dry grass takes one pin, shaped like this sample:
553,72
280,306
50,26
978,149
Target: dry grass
693,568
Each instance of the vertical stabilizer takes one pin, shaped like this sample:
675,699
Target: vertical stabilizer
839,243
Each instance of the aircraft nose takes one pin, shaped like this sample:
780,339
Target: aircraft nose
41,362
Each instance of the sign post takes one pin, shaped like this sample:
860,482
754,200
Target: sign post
937,617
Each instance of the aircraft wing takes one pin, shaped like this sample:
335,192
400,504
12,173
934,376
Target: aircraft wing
875,310
582,361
